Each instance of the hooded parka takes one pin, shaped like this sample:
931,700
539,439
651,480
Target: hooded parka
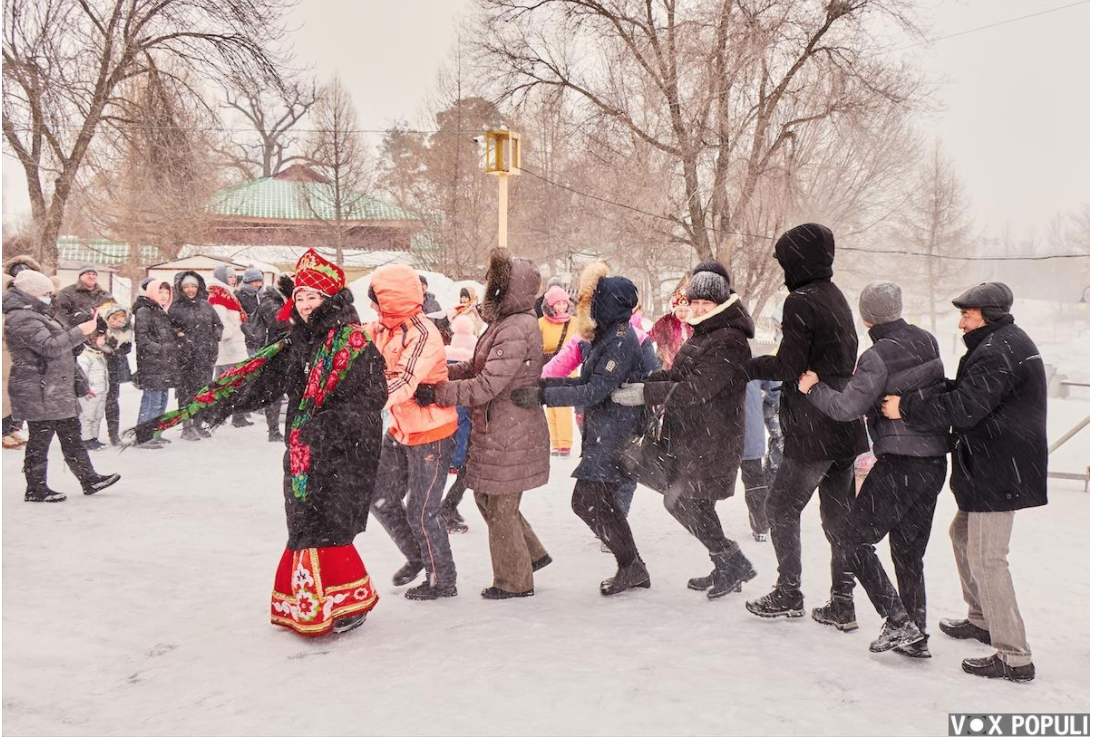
509,445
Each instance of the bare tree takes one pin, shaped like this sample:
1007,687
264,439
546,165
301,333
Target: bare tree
340,157
64,60
723,88
271,113
937,225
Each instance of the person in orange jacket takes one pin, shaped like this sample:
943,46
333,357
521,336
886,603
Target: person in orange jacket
419,445
556,328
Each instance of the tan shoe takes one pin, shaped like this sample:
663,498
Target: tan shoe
10,441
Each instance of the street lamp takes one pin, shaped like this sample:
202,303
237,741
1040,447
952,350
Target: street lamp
503,159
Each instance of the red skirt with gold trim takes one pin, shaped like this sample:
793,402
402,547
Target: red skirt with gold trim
313,587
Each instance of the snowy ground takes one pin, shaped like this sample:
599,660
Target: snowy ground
144,610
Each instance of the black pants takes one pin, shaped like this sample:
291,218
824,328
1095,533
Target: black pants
898,499
755,477
36,459
791,490
191,381
113,413
596,503
273,414
456,492
699,517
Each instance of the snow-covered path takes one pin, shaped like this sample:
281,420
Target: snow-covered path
144,610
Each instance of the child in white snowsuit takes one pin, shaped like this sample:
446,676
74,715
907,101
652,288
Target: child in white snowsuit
93,406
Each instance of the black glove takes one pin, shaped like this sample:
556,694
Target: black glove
528,397
425,394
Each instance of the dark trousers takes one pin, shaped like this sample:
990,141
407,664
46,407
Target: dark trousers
755,478
596,503
456,492
699,517
36,459
898,499
791,490
237,417
417,473
191,382
113,413
625,494
273,414
11,425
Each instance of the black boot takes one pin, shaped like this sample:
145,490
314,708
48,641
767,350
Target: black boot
44,494
781,602
627,577
406,573
839,613
704,583
497,593
731,570
994,667
541,563
918,650
430,590
348,623
100,482
898,632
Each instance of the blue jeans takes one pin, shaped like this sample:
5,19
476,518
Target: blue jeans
153,404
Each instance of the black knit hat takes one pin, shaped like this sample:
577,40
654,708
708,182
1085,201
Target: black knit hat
711,281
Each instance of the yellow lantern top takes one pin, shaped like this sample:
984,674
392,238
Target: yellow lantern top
503,152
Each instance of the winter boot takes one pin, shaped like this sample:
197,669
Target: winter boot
93,444
275,436
100,482
962,628
430,590
406,573
731,570
204,430
627,577
454,523
780,602
541,563
348,623
839,613
44,494
994,667
896,633
918,650
496,593
704,583
190,431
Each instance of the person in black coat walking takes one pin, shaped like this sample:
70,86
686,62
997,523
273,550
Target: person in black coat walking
818,334
157,349
604,312
44,384
703,420
334,377
997,411
266,328
899,495
198,333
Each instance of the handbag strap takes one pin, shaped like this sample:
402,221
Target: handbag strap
562,338
654,421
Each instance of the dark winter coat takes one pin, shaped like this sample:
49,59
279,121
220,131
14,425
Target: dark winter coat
904,359
74,304
42,381
157,347
197,329
117,349
997,409
344,435
703,423
509,446
248,296
614,357
819,334
265,325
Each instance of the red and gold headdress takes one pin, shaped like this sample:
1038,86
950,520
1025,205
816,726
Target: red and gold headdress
317,274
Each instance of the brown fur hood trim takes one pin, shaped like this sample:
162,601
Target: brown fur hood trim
587,284
498,282
26,260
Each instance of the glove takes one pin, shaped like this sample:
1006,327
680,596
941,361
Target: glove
629,395
528,397
425,394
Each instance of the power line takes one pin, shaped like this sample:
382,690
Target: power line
1005,22
772,238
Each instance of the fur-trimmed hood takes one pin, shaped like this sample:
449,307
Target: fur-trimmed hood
26,260
584,307
512,286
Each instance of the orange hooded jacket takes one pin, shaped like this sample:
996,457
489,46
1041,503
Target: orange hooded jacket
414,354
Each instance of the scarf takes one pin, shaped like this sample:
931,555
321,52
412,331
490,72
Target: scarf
332,363
558,318
219,296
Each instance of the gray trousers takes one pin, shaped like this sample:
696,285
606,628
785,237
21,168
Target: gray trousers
417,473
980,541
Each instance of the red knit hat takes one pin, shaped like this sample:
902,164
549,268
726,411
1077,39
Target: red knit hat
317,274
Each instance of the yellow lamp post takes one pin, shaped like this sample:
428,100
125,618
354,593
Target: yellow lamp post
503,159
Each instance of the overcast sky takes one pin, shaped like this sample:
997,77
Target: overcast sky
1015,99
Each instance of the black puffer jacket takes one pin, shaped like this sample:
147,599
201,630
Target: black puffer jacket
157,349
42,382
704,422
265,327
997,409
904,359
74,304
200,327
820,335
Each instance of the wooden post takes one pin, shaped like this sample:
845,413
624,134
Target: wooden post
503,207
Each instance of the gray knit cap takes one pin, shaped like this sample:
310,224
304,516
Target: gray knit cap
252,274
88,268
710,286
33,283
881,302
